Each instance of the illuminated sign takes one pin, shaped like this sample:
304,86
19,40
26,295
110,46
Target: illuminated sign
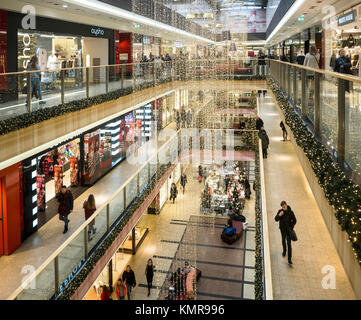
346,18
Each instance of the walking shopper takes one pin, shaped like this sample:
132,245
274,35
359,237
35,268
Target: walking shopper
183,181
129,279
89,208
120,290
284,131
259,123
247,187
173,192
35,79
66,202
149,273
311,59
262,134
105,293
287,221
300,57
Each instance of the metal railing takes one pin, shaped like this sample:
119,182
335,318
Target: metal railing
330,104
53,275
62,86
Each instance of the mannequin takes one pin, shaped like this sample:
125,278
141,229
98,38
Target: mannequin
53,64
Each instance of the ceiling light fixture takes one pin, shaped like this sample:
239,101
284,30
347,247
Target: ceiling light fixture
135,18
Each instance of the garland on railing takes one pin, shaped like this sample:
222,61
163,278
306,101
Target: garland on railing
75,283
258,281
28,119
341,192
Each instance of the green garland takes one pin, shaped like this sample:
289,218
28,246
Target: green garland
37,116
258,281
89,265
342,194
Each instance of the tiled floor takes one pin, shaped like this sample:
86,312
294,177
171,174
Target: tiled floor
285,180
181,233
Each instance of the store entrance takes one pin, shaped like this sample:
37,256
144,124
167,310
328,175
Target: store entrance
2,210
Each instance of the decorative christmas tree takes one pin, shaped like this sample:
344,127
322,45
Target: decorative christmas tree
206,199
236,205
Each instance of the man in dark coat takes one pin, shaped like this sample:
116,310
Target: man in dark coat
259,123
66,202
287,221
262,134
129,279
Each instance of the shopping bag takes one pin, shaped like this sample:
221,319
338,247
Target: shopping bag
200,178
293,235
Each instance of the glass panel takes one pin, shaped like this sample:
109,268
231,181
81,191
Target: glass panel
310,95
299,88
131,190
74,84
143,178
353,128
41,288
100,226
115,78
12,96
292,72
71,256
116,207
328,110
153,169
97,79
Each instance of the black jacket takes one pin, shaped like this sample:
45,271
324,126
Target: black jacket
264,138
183,180
66,202
343,65
129,278
288,220
259,124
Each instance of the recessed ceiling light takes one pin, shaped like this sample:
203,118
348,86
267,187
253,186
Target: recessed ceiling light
65,5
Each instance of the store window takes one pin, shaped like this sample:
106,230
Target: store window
53,52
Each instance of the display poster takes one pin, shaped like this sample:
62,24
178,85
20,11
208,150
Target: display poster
58,177
40,186
74,171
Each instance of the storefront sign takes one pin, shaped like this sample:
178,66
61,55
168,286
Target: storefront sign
71,276
25,57
346,18
97,31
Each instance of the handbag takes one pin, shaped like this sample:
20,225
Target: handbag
293,235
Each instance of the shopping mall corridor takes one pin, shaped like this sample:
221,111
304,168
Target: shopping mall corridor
38,247
285,180
181,233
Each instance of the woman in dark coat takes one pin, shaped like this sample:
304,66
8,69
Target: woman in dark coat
149,273
284,131
173,192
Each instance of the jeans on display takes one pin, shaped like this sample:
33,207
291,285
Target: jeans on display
286,237
65,219
36,85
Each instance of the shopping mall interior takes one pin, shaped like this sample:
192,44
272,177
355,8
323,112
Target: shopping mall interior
180,150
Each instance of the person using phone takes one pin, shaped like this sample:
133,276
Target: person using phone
287,220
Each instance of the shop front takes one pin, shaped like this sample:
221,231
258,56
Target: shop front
57,44
119,261
345,36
